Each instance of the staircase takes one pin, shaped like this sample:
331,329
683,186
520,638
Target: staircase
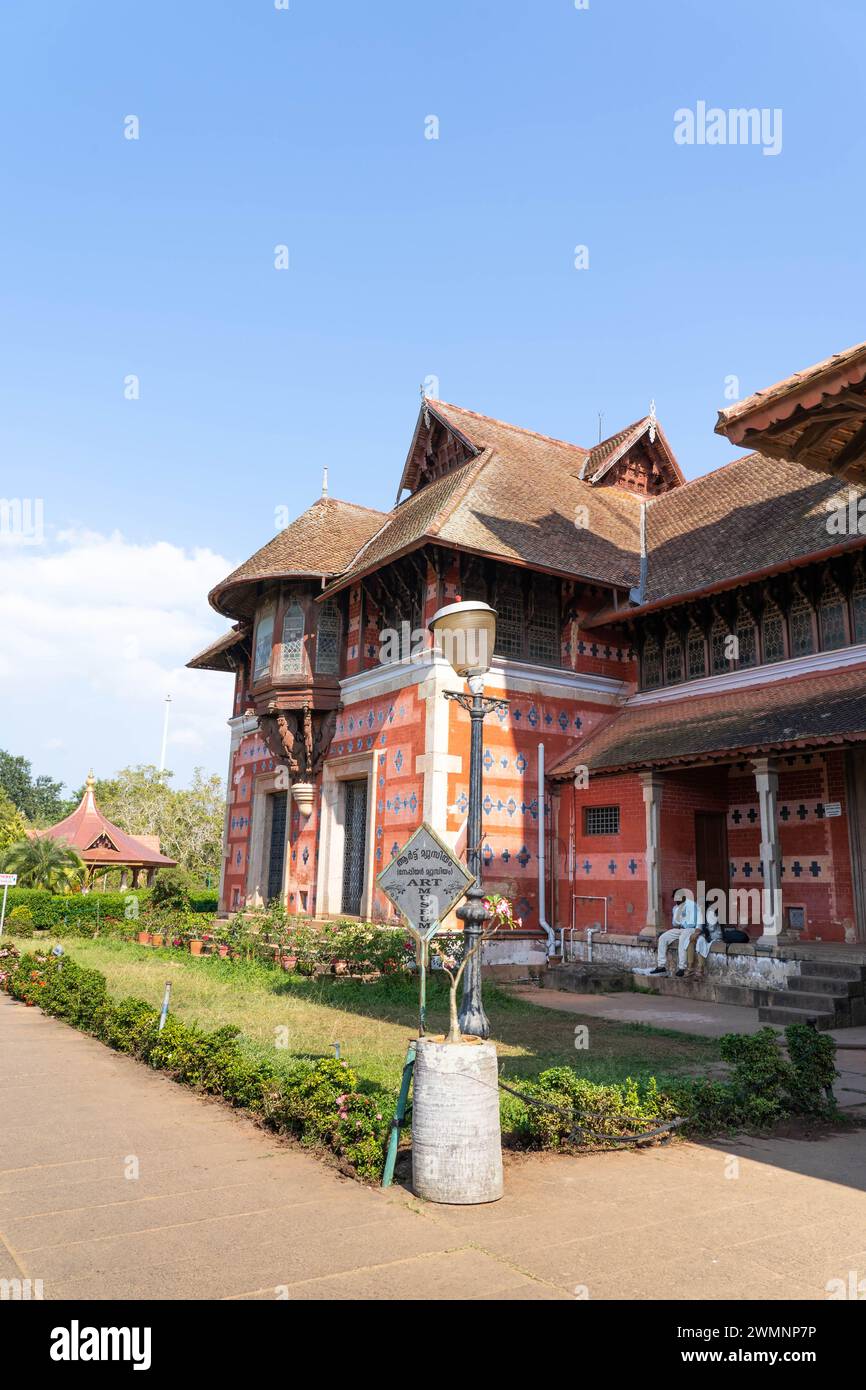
831,992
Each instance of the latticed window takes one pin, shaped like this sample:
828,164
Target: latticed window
858,608
601,820
673,659
800,627
696,655
651,664
719,648
509,620
292,659
831,616
773,634
328,639
747,640
264,642
543,643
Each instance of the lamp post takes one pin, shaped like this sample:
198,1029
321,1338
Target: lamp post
465,633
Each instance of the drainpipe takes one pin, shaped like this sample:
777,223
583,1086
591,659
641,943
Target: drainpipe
542,872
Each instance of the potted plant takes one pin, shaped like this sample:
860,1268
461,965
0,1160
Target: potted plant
144,938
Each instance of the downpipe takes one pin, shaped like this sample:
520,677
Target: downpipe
542,858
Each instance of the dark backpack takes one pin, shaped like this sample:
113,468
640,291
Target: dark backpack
732,936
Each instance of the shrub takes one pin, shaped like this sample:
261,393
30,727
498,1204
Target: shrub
20,921
172,890
318,1101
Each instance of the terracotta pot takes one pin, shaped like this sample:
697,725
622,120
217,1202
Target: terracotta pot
144,938
339,967
157,939
288,962
223,950
195,948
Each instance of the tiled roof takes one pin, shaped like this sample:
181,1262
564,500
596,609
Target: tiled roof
517,500
321,541
753,514
806,387
809,710
87,824
213,658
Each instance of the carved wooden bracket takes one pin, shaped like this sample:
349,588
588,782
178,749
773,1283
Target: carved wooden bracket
300,739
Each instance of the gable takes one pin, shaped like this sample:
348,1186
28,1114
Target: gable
437,448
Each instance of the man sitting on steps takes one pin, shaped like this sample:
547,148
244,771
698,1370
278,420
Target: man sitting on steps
687,919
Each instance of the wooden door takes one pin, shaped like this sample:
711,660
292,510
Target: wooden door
355,852
711,850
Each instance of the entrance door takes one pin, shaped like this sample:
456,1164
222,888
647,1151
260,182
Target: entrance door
355,851
711,850
277,856
855,785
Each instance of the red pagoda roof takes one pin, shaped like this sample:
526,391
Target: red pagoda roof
98,841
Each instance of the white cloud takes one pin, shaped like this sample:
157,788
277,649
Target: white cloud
96,631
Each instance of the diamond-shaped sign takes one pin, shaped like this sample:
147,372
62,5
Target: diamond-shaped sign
424,881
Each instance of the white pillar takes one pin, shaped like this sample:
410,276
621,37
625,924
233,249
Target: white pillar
767,783
652,794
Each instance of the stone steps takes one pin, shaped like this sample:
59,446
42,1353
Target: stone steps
782,1016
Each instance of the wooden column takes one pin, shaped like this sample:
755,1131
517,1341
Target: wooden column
767,783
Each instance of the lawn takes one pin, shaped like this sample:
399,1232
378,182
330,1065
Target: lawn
286,1016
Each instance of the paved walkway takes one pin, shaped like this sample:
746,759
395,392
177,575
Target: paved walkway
220,1209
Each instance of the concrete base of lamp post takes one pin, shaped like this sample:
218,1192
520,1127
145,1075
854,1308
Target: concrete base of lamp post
456,1139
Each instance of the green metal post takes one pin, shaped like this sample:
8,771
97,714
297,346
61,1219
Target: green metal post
396,1123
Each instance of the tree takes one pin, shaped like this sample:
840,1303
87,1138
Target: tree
189,821
13,825
41,862
38,798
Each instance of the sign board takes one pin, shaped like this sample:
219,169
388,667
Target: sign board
424,881
8,880
832,808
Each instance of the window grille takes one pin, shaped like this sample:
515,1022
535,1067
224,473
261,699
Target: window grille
509,620
831,617
696,656
601,820
773,634
673,659
292,661
747,640
328,639
800,627
543,644
858,608
718,655
651,665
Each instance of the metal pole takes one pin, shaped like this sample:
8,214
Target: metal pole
399,1113
165,1002
473,913
164,733
3,910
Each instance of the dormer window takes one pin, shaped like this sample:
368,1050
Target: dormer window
292,655
264,642
831,614
801,627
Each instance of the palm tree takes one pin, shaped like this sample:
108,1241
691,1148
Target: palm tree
41,862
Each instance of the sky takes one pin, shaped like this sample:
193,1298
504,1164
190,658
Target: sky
166,387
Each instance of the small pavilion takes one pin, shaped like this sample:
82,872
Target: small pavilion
105,846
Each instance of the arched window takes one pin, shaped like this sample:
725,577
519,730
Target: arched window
719,648
673,659
328,639
696,655
651,664
773,634
801,628
831,617
858,608
264,642
292,658
747,640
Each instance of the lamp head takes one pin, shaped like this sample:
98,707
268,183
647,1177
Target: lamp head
465,634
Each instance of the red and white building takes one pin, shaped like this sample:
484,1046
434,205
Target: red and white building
687,660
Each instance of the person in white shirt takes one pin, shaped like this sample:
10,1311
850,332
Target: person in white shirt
687,919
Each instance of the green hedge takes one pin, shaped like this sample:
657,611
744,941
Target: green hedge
78,914
319,1102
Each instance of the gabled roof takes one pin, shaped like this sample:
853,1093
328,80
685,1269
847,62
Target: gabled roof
98,841
602,458
816,416
812,710
320,542
516,498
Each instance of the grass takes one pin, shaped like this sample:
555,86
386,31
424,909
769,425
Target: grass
285,1016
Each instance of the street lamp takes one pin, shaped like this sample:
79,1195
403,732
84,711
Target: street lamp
465,633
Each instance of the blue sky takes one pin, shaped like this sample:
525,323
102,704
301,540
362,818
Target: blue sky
409,258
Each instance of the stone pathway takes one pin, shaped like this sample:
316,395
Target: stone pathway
220,1209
